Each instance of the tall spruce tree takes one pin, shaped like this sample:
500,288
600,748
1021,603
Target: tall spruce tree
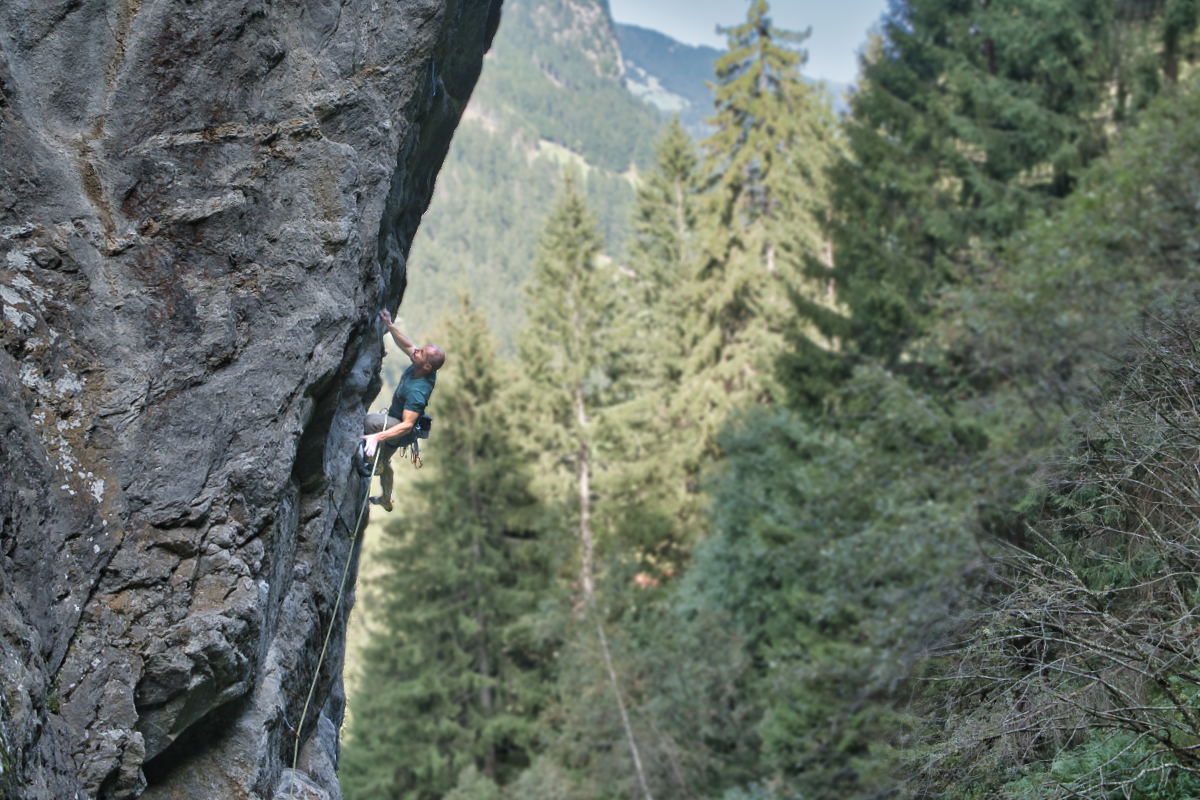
720,241
765,167
652,500
573,364
764,170
767,157
567,350
453,679
663,248
718,246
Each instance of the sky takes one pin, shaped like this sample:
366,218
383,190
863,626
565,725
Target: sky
839,28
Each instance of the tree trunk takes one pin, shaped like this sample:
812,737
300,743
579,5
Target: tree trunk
585,503
587,580
485,691
681,231
1171,62
831,286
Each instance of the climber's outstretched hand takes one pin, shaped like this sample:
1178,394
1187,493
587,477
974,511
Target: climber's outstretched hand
371,443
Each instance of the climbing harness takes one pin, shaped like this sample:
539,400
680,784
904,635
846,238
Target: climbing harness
328,633
423,426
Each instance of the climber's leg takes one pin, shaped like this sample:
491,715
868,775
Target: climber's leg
374,424
385,482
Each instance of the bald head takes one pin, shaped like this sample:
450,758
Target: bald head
427,359
436,356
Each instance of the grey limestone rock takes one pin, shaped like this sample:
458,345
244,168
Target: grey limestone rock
202,206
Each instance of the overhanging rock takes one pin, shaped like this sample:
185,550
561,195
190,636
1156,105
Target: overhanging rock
203,204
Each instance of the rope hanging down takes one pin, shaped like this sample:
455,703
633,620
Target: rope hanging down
423,432
328,633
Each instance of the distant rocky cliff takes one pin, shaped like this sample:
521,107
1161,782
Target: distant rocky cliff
203,204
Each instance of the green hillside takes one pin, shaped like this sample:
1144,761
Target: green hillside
668,74
551,96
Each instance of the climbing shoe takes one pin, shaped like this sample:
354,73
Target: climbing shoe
386,505
362,464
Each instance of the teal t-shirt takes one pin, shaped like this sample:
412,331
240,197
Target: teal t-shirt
412,394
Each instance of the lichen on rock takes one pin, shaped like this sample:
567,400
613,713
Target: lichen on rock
203,204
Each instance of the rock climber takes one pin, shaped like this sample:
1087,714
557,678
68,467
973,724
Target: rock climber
397,428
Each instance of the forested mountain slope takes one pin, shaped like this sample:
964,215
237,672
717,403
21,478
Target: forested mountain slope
676,77
670,75
560,87
551,95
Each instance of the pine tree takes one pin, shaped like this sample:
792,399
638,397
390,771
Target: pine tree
652,502
567,350
836,552
454,678
570,358
717,250
761,187
664,247
767,158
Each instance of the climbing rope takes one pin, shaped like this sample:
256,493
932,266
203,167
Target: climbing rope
328,633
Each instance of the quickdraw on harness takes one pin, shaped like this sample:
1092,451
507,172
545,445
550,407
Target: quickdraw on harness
423,426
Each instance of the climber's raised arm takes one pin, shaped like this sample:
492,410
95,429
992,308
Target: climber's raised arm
399,338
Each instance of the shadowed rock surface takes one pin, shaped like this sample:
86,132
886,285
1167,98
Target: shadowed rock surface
203,204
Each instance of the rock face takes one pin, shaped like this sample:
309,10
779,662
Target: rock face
203,204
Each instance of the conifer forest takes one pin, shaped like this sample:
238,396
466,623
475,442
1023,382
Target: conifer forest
805,455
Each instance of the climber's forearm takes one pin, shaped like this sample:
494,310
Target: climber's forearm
398,429
401,340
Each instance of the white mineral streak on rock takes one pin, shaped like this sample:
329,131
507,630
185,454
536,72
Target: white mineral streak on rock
33,380
20,319
68,385
38,294
14,231
10,295
18,260
203,209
